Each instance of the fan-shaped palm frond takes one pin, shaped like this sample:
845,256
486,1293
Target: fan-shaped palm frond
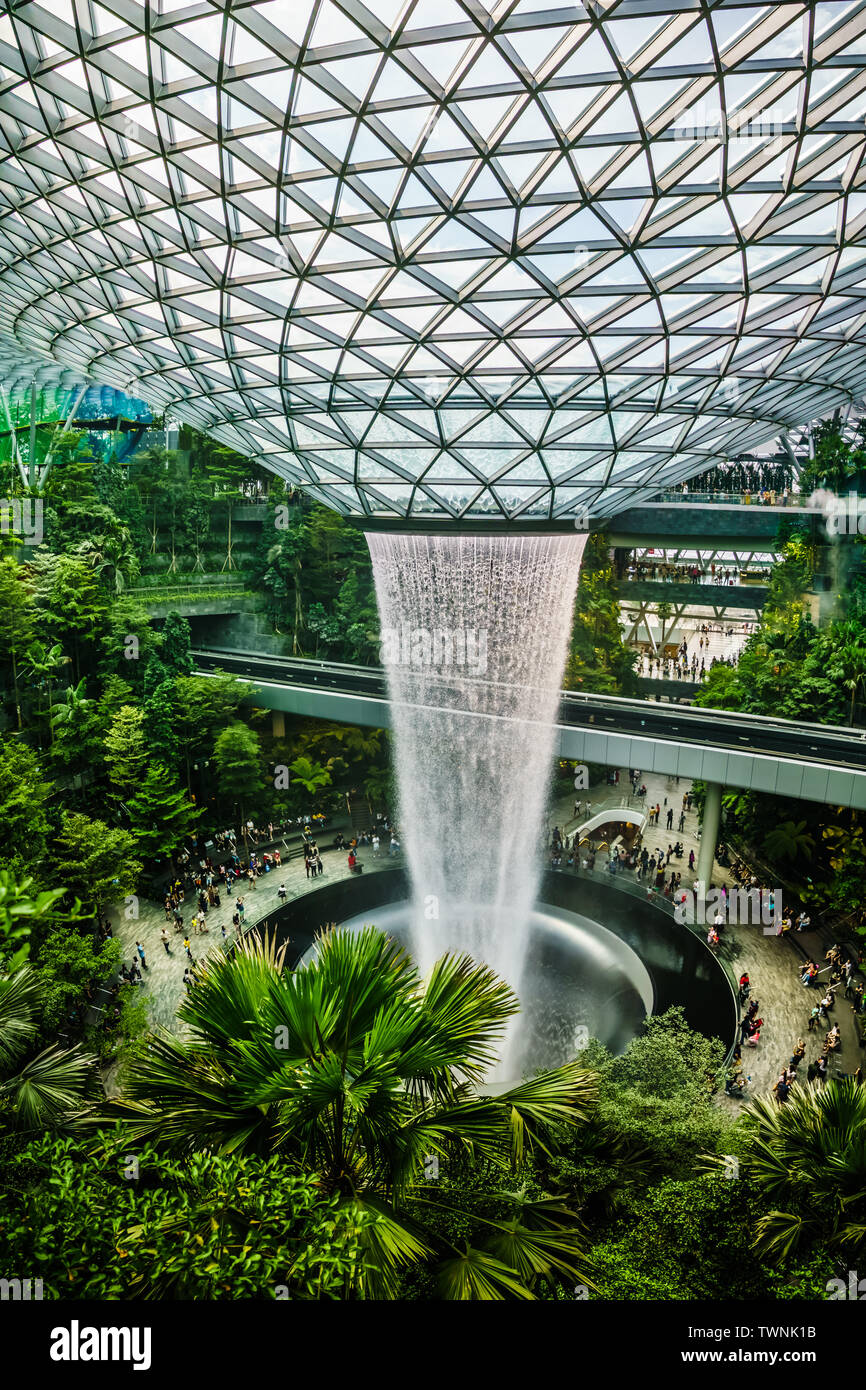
350,1068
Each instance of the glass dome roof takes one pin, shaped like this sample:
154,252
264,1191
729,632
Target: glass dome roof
447,258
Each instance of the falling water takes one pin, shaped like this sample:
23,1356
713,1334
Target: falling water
475,634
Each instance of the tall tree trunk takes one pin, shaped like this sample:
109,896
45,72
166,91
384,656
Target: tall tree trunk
15,688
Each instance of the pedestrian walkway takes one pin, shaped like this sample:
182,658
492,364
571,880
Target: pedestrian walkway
163,986
772,963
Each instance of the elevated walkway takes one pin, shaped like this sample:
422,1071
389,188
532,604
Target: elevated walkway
689,524
806,762
750,597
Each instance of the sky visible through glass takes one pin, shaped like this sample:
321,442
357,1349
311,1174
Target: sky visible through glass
439,257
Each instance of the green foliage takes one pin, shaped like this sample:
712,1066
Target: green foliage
311,776
808,1158
72,605
16,623
598,658
24,790
160,813
21,909
38,1090
349,1068
176,645
238,759
95,861
690,1239
316,568
126,752
67,962
655,1114
207,1227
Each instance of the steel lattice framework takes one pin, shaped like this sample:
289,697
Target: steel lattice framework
449,257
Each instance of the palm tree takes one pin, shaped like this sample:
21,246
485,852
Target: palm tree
43,663
788,840
664,611
112,557
73,708
852,659
45,1089
809,1156
309,775
350,1068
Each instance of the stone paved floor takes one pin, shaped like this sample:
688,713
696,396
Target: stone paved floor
771,962
163,986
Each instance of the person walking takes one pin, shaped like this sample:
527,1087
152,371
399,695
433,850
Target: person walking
140,949
281,893
164,938
670,818
375,845
187,947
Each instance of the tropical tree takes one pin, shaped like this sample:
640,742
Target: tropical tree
789,840
664,610
126,752
309,775
43,664
16,622
96,861
73,711
111,555
36,1091
21,906
24,792
808,1157
237,755
160,813
349,1068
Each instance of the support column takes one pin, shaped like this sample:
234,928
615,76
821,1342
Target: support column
710,832
278,723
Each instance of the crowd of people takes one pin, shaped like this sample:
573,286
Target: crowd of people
686,665
642,568
842,970
200,878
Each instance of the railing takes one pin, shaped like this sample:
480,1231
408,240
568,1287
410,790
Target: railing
625,882
737,499
152,583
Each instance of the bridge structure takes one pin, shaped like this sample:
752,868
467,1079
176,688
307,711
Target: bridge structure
723,749
731,528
